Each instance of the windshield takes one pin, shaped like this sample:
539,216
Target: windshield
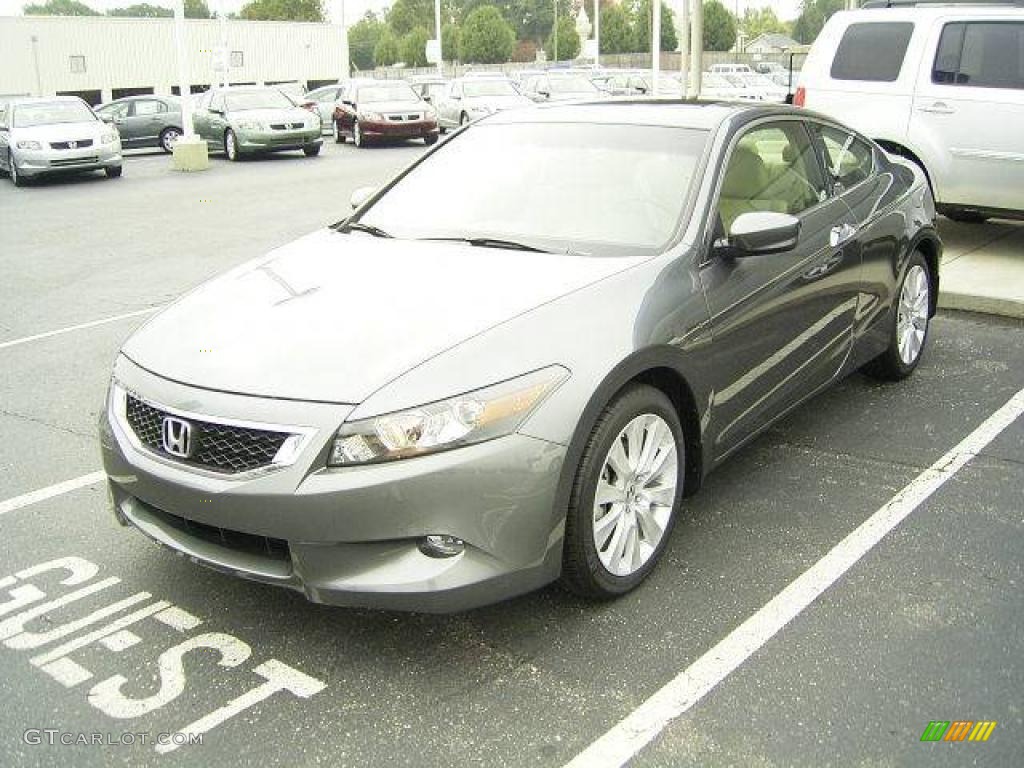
571,85
489,88
396,92
581,187
50,112
271,98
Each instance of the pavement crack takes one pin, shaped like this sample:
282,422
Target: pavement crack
44,423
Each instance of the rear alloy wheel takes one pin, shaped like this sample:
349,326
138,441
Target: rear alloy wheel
231,145
12,168
339,137
626,495
114,171
167,138
910,323
357,135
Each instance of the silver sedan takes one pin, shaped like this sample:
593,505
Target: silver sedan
59,134
469,98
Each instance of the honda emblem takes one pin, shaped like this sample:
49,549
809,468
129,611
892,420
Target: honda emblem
177,437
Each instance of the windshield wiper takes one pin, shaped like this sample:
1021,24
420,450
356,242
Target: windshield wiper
491,242
358,226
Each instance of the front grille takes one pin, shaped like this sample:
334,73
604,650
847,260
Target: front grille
249,543
286,126
402,118
74,161
218,447
66,144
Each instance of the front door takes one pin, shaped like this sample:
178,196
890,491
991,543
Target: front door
782,323
969,107
143,122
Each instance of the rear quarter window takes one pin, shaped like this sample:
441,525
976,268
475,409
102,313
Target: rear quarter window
872,51
981,55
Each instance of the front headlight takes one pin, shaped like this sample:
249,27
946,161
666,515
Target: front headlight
109,138
29,145
251,125
487,413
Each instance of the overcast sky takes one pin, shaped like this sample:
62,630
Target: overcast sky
786,9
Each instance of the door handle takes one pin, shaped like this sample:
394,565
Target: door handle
938,108
841,234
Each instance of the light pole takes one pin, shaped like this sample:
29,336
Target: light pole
684,46
697,46
554,32
437,28
655,45
184,88
597,34
35,61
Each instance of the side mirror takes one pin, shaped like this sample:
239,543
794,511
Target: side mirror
763,232
106,117
544,94
427,97
213,111
361,195
350,104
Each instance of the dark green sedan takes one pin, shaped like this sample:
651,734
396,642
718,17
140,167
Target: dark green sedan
253,120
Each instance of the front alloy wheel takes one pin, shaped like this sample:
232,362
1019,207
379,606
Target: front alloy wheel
12,167
231,145
339,137
167,139
357,135
626,495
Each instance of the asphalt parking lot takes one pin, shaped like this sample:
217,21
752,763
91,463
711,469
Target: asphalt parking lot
926,626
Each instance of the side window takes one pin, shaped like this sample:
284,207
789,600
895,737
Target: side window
771,168
848,158
872,51
117,110
3,115
147,107
981,55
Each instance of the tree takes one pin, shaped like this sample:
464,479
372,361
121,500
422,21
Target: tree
486,37
616,31
142,11
533,19
813,15
450,35
386,52
282,10
761,21
59,8
413,47
643,21
198,9
719,27
362,40
568,41
406,15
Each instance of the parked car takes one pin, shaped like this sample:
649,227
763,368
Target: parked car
724,69
559,86
513,362
144,121
55,134
251,120
715,85
638,83
429,88
293,89
761,84
467,99
383,110
322,101
945,85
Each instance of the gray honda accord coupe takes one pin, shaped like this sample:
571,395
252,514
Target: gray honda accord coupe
516,361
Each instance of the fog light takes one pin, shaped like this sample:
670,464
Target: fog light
441,545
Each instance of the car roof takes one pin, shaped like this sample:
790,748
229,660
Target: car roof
928,12
673,113
42,99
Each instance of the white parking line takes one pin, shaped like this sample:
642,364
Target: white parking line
619,745
42,494
79,327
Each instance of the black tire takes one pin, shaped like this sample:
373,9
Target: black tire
311,151
167,138
339,137
582,570
231,146
463,120
890,365
967,217
114,171
430,139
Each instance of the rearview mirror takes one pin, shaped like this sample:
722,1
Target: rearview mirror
361,195
762,232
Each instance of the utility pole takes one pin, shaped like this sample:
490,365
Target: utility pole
554,32
597,34
437,29
697,46
684,46
184,88
655,45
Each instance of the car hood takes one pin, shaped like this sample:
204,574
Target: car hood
497,102
286,115
405,105
333,317
87,129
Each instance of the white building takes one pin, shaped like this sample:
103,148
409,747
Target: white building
102,57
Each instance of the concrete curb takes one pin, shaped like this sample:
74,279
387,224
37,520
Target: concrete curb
989,305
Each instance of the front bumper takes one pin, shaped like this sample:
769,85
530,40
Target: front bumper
347,536
386,129
278,141
38,162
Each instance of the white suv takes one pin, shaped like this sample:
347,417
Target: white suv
940,85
